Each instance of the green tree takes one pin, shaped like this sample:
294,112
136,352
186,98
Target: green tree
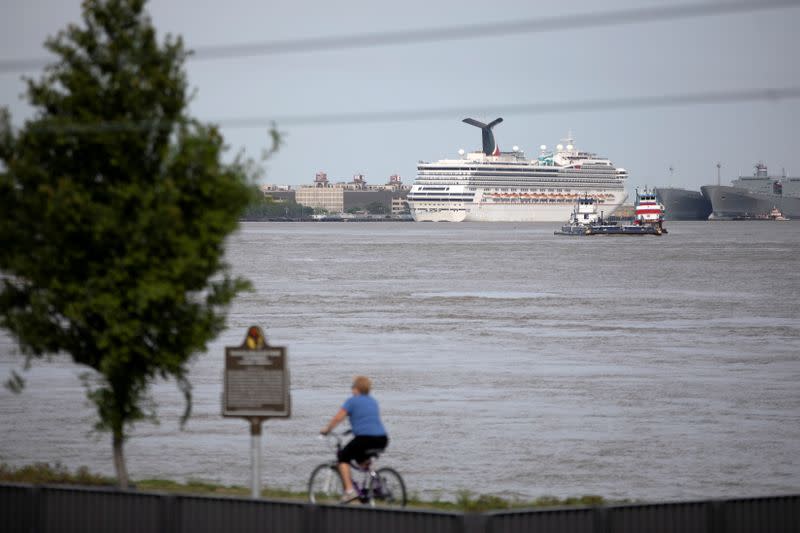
261,208
376,208
115,208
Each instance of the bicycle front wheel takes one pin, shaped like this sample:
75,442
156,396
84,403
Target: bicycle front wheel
325,484
387,489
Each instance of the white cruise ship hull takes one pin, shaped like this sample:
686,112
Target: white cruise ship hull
509,212
522,213
439,215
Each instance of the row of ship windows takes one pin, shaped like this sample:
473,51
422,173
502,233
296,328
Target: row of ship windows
621,174
518,169
551,172
512,189
437,180
518,177
486,191
441,193
573,194
429,201
440,199
539,177
525,168
428,196
472,186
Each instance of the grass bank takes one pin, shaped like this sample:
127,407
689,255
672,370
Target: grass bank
58,474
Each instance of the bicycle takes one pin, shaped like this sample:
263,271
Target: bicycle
374,487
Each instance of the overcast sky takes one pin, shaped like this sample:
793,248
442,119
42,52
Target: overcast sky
742,51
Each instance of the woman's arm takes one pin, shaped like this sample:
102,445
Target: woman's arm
337,418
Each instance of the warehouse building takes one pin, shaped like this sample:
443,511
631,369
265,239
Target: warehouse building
345,196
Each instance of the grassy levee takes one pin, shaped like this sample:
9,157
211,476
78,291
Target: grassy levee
57,474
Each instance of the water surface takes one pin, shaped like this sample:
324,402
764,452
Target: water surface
506,360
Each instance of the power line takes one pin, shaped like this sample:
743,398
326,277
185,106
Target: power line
493,29
589,105
462,32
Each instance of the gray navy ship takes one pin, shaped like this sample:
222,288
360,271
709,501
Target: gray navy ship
755,197
683,204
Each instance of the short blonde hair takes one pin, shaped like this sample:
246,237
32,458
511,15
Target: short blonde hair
362,384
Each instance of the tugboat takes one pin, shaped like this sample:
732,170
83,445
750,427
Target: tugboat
584,216
649,212
776,214
585,220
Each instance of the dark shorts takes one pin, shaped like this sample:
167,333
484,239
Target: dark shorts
356,449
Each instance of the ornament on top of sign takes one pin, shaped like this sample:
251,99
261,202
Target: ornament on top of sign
255,339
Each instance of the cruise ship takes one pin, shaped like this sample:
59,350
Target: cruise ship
754,197
494,186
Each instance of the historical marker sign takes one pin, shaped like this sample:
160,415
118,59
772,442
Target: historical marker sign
256,379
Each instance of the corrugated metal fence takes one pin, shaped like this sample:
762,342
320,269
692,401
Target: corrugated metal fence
51,509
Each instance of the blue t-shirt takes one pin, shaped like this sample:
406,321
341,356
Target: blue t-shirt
365,419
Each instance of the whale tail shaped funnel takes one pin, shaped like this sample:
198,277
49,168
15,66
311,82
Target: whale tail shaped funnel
489,145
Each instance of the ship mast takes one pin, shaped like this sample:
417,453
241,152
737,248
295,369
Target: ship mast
569,141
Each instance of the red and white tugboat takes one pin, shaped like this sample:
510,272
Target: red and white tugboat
586,221
776,214
649,211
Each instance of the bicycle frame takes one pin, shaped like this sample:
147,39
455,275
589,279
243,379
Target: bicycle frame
369,480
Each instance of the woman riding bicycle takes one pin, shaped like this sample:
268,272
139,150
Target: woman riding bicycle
368,430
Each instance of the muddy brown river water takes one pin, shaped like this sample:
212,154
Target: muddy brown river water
506,360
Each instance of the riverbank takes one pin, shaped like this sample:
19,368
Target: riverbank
328,218
58,474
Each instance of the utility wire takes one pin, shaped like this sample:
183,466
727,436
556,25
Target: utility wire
595,104
590,105
462,32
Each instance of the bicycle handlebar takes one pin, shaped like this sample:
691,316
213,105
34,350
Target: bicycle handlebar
338,436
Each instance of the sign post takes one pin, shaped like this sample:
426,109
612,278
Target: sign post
255,456
256,387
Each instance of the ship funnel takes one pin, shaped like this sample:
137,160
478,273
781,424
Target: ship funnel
489,145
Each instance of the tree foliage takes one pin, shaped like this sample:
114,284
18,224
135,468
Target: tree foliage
261,208
376,208
116,206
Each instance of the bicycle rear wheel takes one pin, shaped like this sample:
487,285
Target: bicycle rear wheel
387,489
325,484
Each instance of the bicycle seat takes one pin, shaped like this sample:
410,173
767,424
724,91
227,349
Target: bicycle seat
373,452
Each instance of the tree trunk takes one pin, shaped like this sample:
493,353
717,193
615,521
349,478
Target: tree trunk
119,460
